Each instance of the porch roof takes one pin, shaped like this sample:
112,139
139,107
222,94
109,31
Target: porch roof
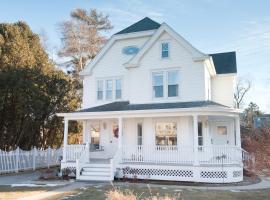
126,106
126,109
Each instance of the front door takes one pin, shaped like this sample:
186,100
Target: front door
220,133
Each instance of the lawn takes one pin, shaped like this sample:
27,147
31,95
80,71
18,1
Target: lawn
98,193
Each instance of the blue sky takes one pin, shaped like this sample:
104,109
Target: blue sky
210,25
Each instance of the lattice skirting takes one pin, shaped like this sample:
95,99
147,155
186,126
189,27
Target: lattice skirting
178,173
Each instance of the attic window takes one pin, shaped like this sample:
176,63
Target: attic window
164,50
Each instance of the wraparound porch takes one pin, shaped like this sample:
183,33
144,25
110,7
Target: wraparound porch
130,140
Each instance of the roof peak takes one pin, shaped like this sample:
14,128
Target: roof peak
144,24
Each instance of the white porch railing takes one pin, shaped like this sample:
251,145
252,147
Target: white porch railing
182,154
158,154
74,152
208,155
220,154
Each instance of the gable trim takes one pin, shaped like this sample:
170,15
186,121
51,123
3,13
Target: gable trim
196,54
90,66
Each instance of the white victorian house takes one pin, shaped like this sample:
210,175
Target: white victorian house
155,107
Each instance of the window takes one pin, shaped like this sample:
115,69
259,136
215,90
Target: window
173,83
158,85
222,130
165,50
200,134
100,89
166,133
118,89
95,136
139,134
109,88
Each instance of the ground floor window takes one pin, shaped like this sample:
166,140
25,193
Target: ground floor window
200,134
139,133
95,135
166,133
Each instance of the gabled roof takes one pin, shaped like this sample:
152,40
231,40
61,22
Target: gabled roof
225,63
145,24
196,54
126,106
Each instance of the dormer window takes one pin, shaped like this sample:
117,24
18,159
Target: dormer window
164,50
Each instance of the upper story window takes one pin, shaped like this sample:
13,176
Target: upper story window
109,89
165,84
173,83
158,84
118,89
164,50
99,89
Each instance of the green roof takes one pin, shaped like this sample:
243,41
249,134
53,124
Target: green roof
225,63
145,24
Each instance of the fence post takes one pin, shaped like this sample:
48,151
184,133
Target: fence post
34,157
48,157
17,159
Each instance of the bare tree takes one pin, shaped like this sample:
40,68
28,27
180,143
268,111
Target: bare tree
82,36
241,89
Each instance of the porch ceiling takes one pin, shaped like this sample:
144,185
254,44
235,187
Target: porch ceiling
125,109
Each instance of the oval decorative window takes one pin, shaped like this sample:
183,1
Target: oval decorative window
130,50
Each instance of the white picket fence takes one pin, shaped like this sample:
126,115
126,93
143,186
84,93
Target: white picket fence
17,160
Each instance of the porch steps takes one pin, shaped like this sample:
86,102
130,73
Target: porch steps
96,172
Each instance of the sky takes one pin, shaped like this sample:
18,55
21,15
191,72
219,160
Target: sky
211,26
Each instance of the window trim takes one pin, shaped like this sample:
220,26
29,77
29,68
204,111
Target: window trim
161,49
104,79
165,83
141,137
163,120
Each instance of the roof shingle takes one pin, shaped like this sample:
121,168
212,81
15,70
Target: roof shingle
225,63
126,106
143,25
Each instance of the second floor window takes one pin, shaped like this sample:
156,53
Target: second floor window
109,89
118,89
100,89
158,84
164,50
165,84
173,83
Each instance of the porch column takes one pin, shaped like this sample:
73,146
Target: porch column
120,132
84,131
237,131
195,139
65,140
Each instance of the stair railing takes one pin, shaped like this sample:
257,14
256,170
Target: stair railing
84,158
